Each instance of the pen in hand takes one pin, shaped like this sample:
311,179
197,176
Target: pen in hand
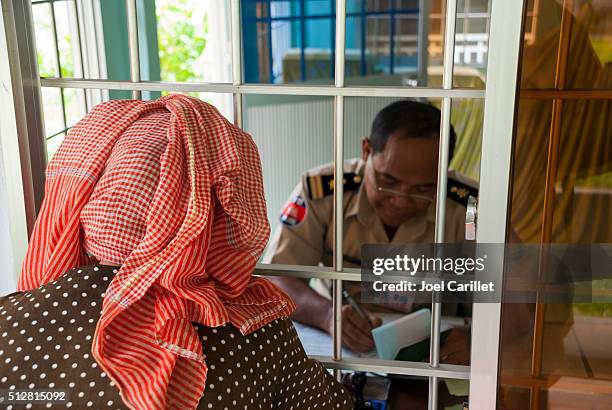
347,296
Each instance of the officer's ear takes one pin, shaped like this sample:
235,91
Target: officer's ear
366,148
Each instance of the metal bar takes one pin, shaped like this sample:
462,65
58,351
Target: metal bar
449,44
238,110
364,27
447,371
87,20
320,272
78,42
22,67
237,62
333,39
457,93
57,133
302,40
12,118
392,37
340,42
423,42
505,40
475,15
132,24
269,37
338,230
21,127
549,191
58,63
98,63
443,154
297,271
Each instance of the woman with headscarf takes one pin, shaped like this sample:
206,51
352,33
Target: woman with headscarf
137,286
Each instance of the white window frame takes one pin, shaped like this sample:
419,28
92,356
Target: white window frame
500,98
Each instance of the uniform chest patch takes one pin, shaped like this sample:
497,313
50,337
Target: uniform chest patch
294,212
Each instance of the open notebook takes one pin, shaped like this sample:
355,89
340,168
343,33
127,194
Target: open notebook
398,330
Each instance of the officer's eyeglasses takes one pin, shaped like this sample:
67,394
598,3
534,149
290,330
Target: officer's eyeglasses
388,188
416,197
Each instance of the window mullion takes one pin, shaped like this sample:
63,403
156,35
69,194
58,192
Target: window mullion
58,63
447,84
237,68
338,175
132,23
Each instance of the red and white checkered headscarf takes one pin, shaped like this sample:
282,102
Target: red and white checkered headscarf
173,192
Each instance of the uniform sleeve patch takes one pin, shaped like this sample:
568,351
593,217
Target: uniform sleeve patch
294,212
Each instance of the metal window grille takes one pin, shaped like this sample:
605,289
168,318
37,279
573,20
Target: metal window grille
499,114
82,53
381,27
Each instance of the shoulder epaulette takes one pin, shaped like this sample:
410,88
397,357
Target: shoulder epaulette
319,186
460,192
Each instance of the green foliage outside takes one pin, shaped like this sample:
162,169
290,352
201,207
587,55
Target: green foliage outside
593,309
181,34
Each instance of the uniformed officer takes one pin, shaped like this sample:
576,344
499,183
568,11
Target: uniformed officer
389,197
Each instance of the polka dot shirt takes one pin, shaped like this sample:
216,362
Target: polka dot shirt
46,336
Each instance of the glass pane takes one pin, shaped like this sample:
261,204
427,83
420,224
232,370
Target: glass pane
53,144
223,102
193,40
398,166
76,105
45,43
185,40
585,41
53,110
59,118
590,54
406,124
288,41
294,135
56,26
575,363
78,102
67,39
305,234
584,177
384,44
530,152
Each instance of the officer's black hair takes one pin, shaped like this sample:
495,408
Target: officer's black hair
409,119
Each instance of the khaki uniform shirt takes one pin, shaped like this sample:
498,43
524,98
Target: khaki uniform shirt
310,241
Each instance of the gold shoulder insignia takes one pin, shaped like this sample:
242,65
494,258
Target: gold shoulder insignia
319,186
460,192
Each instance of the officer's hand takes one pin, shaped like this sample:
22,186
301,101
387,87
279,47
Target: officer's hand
356,331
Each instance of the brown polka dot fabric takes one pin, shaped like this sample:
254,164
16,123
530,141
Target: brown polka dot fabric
45,343
266,369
